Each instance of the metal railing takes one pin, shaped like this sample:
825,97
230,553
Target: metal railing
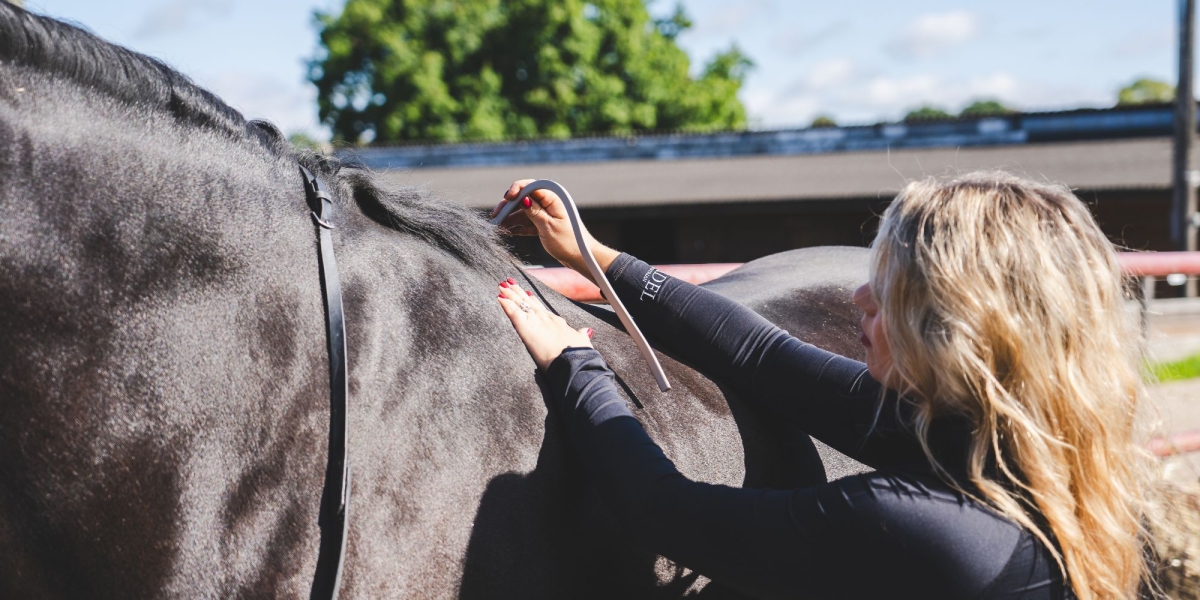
1149,266
1176,267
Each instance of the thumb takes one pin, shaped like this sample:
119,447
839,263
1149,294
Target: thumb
540,215
548,210
551,204
586,332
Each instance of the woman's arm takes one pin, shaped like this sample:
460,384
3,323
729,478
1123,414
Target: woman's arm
831,397
744,538
882,534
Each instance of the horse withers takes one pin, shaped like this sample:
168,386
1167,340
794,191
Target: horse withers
164,378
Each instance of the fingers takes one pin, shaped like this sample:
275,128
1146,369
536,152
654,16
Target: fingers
550,206
511,309
496,211
545,335
525,204
548,203
520,221
512,291
516,188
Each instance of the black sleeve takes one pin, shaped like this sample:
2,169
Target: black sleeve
740,537
831,397
863,536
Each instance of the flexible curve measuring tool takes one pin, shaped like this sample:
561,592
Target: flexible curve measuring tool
594,267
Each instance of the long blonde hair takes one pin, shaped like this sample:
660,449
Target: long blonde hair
1003,302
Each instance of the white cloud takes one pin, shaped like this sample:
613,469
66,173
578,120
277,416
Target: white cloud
769,108
800,102
831,73
857,96
882,93
933,33
291,106
178,15
895,95
890,94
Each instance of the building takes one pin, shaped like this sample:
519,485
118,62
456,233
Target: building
732,197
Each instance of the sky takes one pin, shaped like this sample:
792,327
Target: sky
859,61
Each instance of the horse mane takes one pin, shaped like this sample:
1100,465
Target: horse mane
450,226
72,53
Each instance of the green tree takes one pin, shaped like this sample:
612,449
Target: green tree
927,113
985,108
302,140
1146,91
494,69
823,121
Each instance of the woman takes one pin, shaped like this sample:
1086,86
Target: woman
996,403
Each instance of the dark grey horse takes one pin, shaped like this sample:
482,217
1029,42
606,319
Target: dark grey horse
807,292
163,378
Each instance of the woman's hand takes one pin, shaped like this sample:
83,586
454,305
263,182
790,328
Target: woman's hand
543,214
545,334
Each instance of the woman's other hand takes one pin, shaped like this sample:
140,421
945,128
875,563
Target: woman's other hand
545,334
543,214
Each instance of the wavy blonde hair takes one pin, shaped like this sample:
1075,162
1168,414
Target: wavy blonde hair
1003,302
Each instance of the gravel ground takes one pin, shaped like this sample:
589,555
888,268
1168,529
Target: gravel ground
1172,336
1176,408
1179,546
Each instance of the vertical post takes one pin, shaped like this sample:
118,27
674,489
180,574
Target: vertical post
1183,201
1147,296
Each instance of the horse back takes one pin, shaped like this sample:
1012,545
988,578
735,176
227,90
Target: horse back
158,358
806,292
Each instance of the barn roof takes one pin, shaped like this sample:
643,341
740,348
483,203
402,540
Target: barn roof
1140,163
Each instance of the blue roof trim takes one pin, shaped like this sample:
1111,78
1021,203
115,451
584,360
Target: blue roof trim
987,131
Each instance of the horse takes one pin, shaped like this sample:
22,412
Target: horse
164,372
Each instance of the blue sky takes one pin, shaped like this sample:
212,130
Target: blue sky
859,61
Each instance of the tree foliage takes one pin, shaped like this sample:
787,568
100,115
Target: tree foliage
494,69
305,141
985,108
1146,91
927,113
823,121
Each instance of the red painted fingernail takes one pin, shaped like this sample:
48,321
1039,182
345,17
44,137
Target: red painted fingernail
527,203
512,281
499,295
503,284
528,293
590,332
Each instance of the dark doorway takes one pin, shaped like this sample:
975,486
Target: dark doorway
655,241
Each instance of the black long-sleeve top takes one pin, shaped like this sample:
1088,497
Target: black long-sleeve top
898,532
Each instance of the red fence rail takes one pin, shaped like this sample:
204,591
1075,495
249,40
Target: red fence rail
576,287
1178,443
1160,264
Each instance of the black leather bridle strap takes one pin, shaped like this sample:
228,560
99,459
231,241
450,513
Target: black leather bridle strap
335,498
